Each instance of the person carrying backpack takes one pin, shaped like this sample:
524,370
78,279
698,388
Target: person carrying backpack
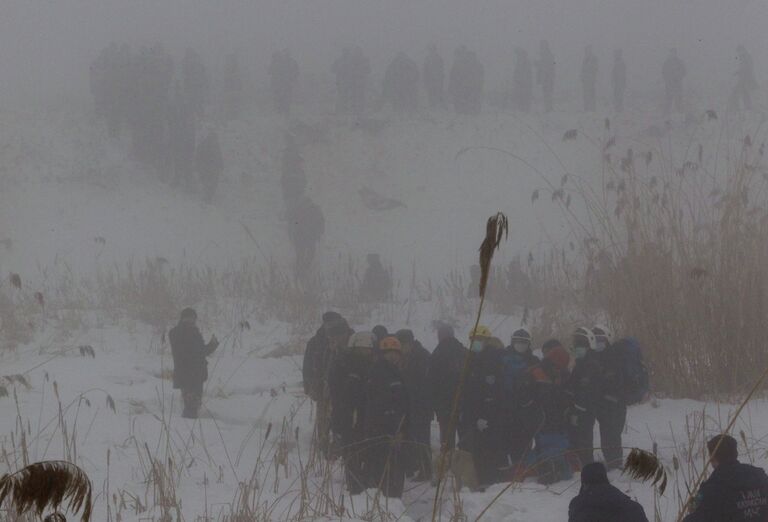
636,385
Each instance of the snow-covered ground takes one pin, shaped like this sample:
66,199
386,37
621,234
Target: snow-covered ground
71,201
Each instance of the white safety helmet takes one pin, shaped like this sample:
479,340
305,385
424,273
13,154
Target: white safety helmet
583,332
362,340
604,332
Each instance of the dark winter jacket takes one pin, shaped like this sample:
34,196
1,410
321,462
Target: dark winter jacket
612,384
387,402
314,364
551,396
604,503
190,369
734,492
483,413
416,375
445,364
586,382
347,383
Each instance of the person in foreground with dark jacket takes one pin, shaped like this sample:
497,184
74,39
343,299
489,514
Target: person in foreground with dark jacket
347,382
386,419
415,374
190,368
599,501
734,492
445,364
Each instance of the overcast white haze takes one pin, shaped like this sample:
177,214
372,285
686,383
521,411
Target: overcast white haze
106,236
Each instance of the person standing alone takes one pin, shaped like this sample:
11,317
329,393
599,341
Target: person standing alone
190,368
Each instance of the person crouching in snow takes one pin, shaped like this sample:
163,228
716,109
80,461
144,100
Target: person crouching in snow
386,419
190,368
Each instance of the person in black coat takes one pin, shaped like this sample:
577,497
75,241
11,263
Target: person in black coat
320,358
434,78
314,356
585,389
734,492
415,373
610,407
190,368
347,382
386,420
599,501
445,364
483,423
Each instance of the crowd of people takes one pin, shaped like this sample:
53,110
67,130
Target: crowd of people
518,414
140,92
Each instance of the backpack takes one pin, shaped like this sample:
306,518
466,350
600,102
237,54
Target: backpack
633,370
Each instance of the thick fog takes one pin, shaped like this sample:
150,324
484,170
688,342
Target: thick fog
46,45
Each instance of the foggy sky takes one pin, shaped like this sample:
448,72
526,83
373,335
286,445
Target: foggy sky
46,46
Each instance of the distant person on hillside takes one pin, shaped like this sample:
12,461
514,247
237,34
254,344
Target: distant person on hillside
599,501
377,283
673,71
589,79
284,76
210,164
400,88
434,78
618,80
745,80
306,225
522,82
190,368
545,74
734,492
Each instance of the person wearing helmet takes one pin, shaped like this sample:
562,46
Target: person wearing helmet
610,408
445,365
585,388
522,414
415,373
347,383
482,427
386,419
551,377
190,367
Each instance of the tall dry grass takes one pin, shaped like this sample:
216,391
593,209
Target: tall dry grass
671,250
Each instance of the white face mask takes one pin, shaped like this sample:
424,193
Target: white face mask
578,351
520,346
477,345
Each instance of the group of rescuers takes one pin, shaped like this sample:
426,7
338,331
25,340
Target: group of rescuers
517,416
